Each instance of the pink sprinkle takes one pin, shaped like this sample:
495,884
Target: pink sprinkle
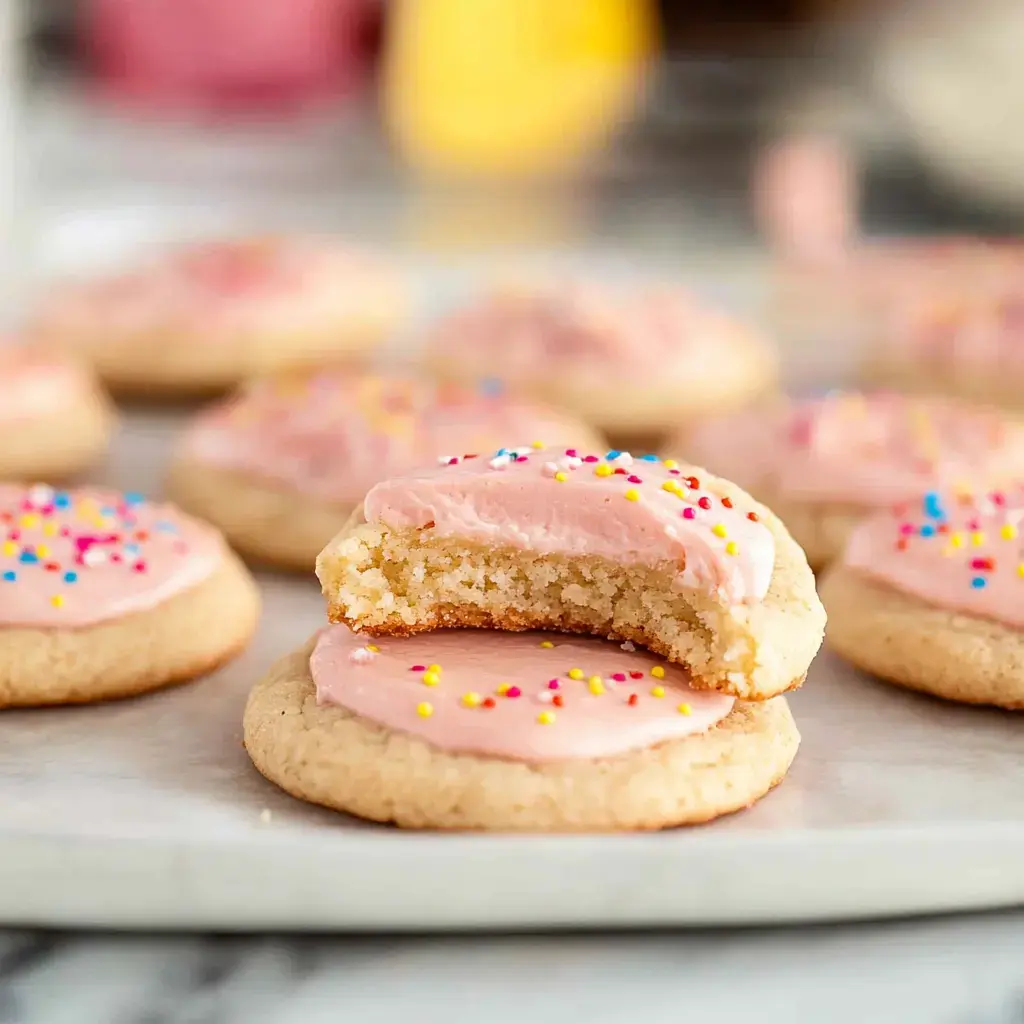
674,472
571,452
634,479
522,458
973,524
591,458
906,529
116,557
418,668
453,461
138,566
998,498
552,684
688,513
619,677
514,691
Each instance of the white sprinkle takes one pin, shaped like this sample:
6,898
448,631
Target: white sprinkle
570,462
545,696
40,494
265,816
500,461
361,656
550,469
94,556
628,645
624,458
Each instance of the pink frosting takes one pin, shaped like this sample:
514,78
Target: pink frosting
492,688
867,450
960,551
34,385
214,288
589,331
334,435
557,500
76,558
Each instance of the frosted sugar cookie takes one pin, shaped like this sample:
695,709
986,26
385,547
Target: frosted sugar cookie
204,317
55,420
932,597
280,467
521,731
633,362
653,552
105,595
824,464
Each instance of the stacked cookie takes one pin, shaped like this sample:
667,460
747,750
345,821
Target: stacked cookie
546,639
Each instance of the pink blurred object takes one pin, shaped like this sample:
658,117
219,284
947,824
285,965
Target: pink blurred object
229,56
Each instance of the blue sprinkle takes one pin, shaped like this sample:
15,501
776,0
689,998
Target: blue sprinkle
165,526
492,386
132,549
10,576
133,498
502,451
108,510
613,454
927,530
649,458
28,558
71,577
978,582
61,500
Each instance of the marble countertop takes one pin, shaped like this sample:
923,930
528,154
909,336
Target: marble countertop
967,970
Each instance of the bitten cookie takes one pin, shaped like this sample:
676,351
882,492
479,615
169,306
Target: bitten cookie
105,595
636,549
55,420
509,732
205,317
634,363
280,467
824,464
933,598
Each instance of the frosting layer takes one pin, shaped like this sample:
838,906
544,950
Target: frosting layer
524,696
334,434
866,450
76,558
960,551
569,501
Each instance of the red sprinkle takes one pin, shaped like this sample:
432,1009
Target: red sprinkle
620,471
488,702
51,566
418,668
619,677
557,700
139,567
901,544
983,563
632,700
591,458
472,456
727,502
514,691
688,513
522,458
752,516
636,675
705,502
693,483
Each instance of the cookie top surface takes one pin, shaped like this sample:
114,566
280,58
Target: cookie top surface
558,500
865,450
590,331
213,288
333,435
34,384
78,557
960,551
524,696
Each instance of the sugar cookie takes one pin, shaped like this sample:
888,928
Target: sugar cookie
824,464
509,732
642,550
55,420
105,595
280,467
933,599
634,363
205,317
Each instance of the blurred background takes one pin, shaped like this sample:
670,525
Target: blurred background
457,127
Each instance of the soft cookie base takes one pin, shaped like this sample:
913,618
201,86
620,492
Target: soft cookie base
328,755
184,637
905,641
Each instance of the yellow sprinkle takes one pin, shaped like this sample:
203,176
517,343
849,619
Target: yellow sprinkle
49,529
546,644
561,477
30,520
956,540
671,486
424,710
602,470
977,539
632,494
472,700
431,679
10,548
684,709
546,718
732,548
433,668
1008,532
658,672
719,530
42,551
503,688
575,673
373,648
670,464
657,691
595,685
57,600
1020,570
536,444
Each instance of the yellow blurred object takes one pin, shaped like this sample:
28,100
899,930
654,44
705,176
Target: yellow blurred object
512,87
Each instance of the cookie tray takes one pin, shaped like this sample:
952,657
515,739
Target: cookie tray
148,814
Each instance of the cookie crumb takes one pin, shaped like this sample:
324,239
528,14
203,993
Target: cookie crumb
265,816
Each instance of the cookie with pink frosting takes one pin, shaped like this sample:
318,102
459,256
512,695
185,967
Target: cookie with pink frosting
823,464
931,596
634,362
657,553
523,731
280,467
55,420
104,595
202,318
